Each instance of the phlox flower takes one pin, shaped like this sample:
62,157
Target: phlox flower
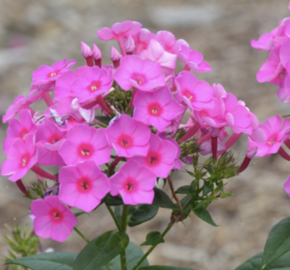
85,143
18,129
49,139
22,156
45,74
160,158
265,42
275,133
83,185
142,39
38,91
94,82
156,108
142,74
284,91
193,59
128,137
52,219
287,183
134,183
195,93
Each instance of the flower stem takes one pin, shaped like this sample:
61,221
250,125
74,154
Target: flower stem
81,235
124,221
113,216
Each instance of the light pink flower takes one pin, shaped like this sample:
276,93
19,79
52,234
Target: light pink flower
156,108
195,93
128,137
85,143
19,129
83,185
142,74
49,139
193,59
160,158
134,183
45,74
142,40
52,219
276,133
21,157
94,82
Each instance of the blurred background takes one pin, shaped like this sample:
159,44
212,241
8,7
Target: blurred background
34,33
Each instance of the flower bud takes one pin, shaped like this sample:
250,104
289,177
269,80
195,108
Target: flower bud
130,45
97,55
115,57
86,50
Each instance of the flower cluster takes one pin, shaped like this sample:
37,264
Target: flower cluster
144,100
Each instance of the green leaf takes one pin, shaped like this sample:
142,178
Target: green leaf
278,242
113,201
103,119
101,250
44,261
133,255
152,239
160,267
202,213
142,213
253,263
207,187
77,214
162,200
183,190
191,173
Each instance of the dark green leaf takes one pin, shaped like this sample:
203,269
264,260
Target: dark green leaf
160,267
103,119
183,190
45,261
278,242
202,213
152,239
191,173
101,250
142,213
77,214
133,255
207,187
253,263
113,201
161,199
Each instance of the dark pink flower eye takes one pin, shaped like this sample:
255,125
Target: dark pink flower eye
155,109
125,141
55,215
85,150
189,95
139,78
53,74
153,158
24,160
84,184
272,139
94,86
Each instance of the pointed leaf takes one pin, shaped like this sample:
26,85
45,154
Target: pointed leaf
253,263
113,201
278,242
161,267
183,190
152,239
143,213
133,254
101,250
44,261
162,200
202,213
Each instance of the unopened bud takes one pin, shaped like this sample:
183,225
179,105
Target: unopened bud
251,153
86,50
115,57
130,45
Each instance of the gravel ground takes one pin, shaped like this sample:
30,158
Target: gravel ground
34,32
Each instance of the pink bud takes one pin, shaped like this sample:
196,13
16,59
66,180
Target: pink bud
252,152
97,54
115,57
86,50
130,45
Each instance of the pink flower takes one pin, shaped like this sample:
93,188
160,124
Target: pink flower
134,183
85,143
142,74
265,42
128,137
39,92
193,59
142,40
63,86
284,91
21,157
130,45
19,129
160,158
287,183
156,108
49,139
86,50
52,219
83,185
94,82
276,133
285,55
45,74
196,94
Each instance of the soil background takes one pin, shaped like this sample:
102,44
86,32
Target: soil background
38,32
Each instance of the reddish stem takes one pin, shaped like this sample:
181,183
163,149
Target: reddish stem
43,173
116,161
121,44
132,98
190,132
244,165
98,63
22,187
103,104
186,67
214,145
204,138
47,98
283,153
287,143
90,61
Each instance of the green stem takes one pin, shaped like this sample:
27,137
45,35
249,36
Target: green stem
107,267
151,249
124,221
81,235
113,216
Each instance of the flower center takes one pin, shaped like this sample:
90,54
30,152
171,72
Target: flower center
53,74
203,114
54,138
155,109
24,160
84,185
125,141
130,185
23,132
85,150
189,95
140,79
55,215
272,139
153,158
94,86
